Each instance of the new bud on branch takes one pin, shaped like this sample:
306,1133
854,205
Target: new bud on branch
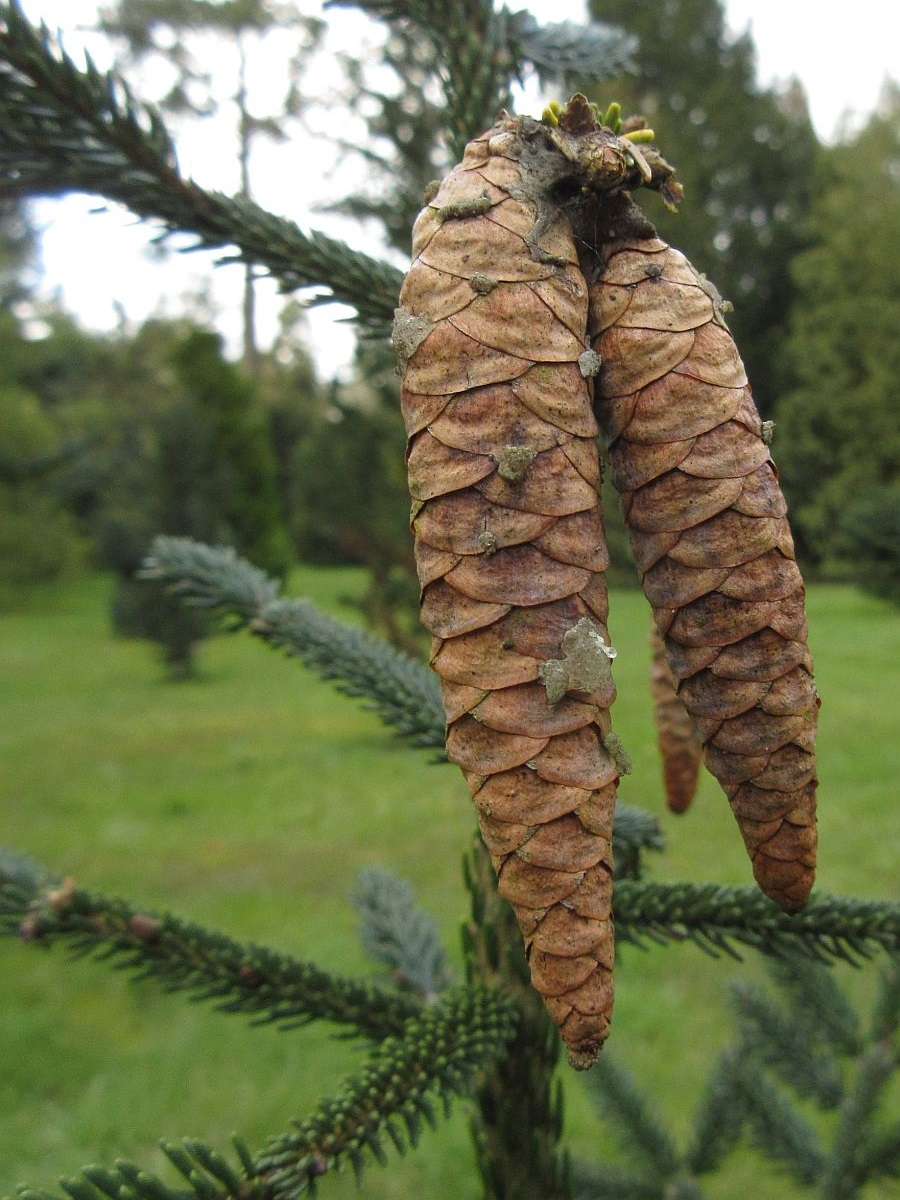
534,280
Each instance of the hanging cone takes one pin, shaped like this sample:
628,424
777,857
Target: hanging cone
503,473
679,743
707,523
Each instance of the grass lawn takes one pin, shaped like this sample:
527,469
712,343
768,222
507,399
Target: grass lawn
248,799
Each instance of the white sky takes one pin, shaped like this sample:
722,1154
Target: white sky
842,53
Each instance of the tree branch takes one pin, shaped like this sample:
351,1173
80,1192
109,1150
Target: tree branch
272,988
439,1055
63,129
404,693
718,918
479,47
443,1051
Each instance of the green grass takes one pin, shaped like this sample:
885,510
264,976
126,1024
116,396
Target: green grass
249,798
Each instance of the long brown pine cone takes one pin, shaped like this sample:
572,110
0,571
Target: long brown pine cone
707,523
679,743
503,473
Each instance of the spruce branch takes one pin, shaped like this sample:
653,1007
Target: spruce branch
480,48
880,1157
269,987
718,1117
597,1181
825,1007
396,932
635,831
788,1043
403,693
618,1095
850,1162
208,1175
442,1053
472,47
886,1017
564,50
718,918
860,1151
424,1054
65,129
777,1128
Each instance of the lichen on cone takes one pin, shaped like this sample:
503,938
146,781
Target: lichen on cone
504,474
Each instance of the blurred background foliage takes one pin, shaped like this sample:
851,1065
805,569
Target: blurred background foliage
109,439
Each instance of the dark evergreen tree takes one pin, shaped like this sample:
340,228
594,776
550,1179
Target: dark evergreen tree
38,539
868,539
239,469
837,429
366,519
209,471
744,154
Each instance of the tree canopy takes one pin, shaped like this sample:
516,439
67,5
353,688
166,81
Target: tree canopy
838,434
744,154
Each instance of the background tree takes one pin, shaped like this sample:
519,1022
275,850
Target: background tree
188,34
118,437
838,434
17,246
744,154
868,538
38,539
365,520
207,469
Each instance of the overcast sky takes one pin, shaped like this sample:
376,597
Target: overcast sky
842,53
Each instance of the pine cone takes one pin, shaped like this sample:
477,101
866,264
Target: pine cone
707,523
679,743
503,473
